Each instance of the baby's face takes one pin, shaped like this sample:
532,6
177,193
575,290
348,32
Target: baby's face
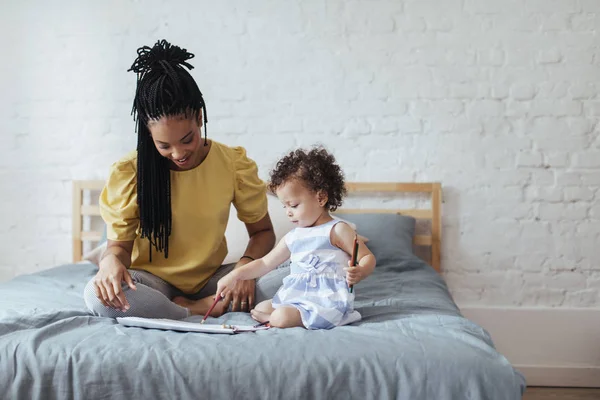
302,206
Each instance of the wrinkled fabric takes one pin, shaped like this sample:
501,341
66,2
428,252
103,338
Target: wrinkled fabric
412,343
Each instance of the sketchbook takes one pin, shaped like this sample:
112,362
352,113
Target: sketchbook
183,326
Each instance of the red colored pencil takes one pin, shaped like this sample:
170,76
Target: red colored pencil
217,298
354,256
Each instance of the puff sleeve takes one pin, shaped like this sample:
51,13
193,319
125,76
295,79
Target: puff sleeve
118,202
250,194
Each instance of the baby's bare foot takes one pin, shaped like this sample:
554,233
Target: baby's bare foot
201,306
260,316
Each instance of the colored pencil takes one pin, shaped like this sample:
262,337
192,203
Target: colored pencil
217,298
354,256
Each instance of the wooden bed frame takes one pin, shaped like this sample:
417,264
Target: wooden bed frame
432,215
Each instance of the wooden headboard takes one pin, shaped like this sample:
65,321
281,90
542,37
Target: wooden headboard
432,215
81,211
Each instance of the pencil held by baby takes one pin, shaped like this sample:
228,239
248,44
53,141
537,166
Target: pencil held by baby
354,256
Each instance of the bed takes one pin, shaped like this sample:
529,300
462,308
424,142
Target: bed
412,342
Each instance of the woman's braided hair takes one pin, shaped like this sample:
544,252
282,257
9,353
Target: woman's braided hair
164,89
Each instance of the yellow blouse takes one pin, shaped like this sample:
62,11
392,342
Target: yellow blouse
200,202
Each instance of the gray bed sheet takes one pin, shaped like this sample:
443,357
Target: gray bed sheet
412,343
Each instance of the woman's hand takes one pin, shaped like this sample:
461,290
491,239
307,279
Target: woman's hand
107,283
239,292
242,296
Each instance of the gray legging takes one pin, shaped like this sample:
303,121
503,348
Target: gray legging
152,299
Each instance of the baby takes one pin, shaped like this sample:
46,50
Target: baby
316,294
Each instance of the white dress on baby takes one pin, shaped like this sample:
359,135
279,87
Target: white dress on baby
317,284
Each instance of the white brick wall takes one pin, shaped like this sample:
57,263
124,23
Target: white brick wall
498,100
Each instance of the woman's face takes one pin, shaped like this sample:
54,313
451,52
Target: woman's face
178,138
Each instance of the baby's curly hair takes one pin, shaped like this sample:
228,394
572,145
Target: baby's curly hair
318,171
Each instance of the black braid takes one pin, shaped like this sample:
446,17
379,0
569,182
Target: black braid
164,89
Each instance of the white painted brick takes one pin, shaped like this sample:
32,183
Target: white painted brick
287,125
563,228
588,159
517,108
543,6
357,127
544,125
533,280
555,212
428,91
582,298
562,73
488,7
551,56
500,127
497,100
531,263
595,211
587,228
548,297
485,108
500,91
589,5
585,22
492,56
527,159
566,280
465,296
583,90
380,23
384,125
594,280
547,194
556,159
549,91
440,23
579,55
231,126
554,22
592,108
409,125
555,108
579,126
515,23
463,91
541,177
432,107
407,23
553,140
452,125
590,178
578,193
499,160
431,8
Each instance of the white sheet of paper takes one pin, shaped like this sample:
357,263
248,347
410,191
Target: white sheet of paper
183,326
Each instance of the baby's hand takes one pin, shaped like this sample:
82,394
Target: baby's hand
226,283
354,274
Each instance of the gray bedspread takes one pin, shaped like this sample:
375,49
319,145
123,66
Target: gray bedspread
412,343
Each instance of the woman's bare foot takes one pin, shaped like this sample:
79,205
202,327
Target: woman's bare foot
260,316
201,306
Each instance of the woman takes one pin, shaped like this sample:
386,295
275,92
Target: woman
166,205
